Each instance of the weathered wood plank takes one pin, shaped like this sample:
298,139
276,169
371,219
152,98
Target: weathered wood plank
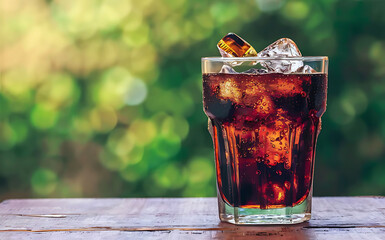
357,217
358,234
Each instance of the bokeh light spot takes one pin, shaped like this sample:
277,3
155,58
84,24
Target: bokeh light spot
43,117
341,112
8,136
58,90
224,11
103,119
20,128
110,160
133,21
167,146
44,181
136,92
200,170
119,162
134,172
16,87
356,99
297,10
135,155
182,102
371,147
110,90
82,127
121,142
143,131
170,177
377,51
269,5
118,87
175,125
113,11
137,37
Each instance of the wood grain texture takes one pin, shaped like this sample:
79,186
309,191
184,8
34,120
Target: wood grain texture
176,218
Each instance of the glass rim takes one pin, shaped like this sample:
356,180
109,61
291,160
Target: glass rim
232,59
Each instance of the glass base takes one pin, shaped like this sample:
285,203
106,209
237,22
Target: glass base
254,216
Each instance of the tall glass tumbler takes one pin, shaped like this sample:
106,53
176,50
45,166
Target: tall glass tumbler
264,127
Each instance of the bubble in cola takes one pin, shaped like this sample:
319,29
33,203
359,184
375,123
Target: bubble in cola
232,45
283,47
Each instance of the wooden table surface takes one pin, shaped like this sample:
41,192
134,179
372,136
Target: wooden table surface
181,218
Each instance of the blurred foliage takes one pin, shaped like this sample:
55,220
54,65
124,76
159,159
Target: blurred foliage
102,98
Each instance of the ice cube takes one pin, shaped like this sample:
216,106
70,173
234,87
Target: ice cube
264,106
306,69
232,45
255,71
283,47
251,109
229,89
227,69
274,193
286,86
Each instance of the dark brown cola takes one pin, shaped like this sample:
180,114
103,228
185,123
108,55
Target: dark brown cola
264,129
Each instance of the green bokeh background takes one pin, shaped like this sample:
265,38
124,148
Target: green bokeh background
102,98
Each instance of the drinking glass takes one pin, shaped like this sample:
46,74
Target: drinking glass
264,127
